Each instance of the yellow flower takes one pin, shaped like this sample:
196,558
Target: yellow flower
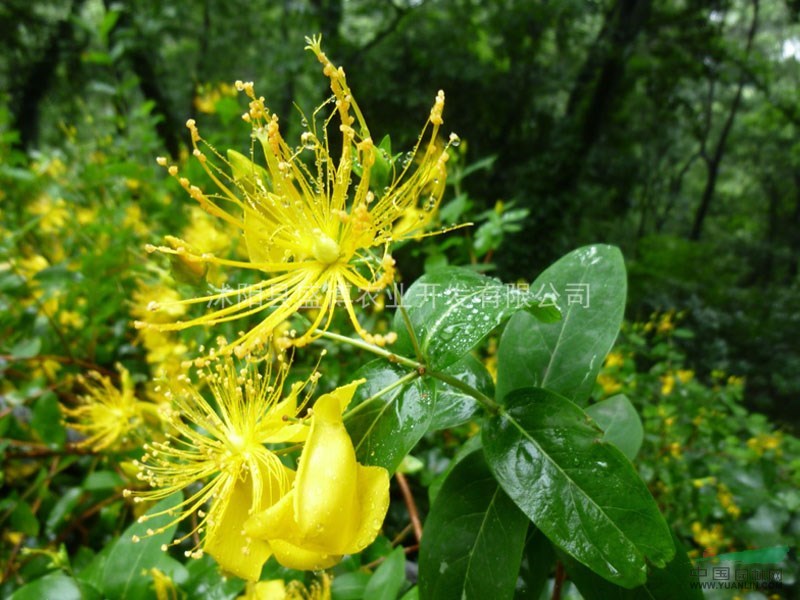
317,231
684,375
727,501
614,359
336,506
277,589
108,416
609,384
53,213
710,539
667,384
225,451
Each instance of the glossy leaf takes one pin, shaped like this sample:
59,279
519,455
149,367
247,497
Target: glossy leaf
474,535
388,579
119,573
581,491
620,423
454,407
451,310
673,581
385,428
538,559
566,356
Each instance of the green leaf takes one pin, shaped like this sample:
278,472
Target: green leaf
349,586
673,581
617,417
581,491
102,480
27,348
451,310
474,536
388,579
454,407
566,357
47,421
55,585
207,582
62,510
23,519
538,560
123,568
385,428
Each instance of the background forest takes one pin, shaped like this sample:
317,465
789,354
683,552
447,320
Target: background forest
669,129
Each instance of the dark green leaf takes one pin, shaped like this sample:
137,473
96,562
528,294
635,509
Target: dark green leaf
23,519
385,428
566,356
454,407
47,421
452,310
388,579
538,560
617,417
127,560
62,510
581,491
55,586
673,581
474,535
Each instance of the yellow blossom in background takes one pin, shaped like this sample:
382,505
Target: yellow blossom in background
208,96
134,220
316,231
109,417
53,213
609,384
684,375
675,450
163,586
727,501
336,506
667,384
709,539
614,359
764,442
277,589
223,450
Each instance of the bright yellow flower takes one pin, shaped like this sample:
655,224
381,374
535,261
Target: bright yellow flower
336,506
726,500
225,451
109,416
710,539
614,359
317,231
277,589
53,213
684,375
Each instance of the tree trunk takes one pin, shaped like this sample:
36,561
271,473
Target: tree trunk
715,160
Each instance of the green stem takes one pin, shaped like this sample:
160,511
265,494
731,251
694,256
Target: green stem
407,322
408,377
487,402
382,352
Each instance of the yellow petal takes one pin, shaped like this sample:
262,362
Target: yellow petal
302,559
373,500
277,430
325,500
226,542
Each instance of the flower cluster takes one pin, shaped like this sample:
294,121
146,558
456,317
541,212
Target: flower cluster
264,469
247,502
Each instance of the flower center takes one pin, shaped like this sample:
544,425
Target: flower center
324,249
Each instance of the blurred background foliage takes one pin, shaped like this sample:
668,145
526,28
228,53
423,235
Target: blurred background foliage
667,128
